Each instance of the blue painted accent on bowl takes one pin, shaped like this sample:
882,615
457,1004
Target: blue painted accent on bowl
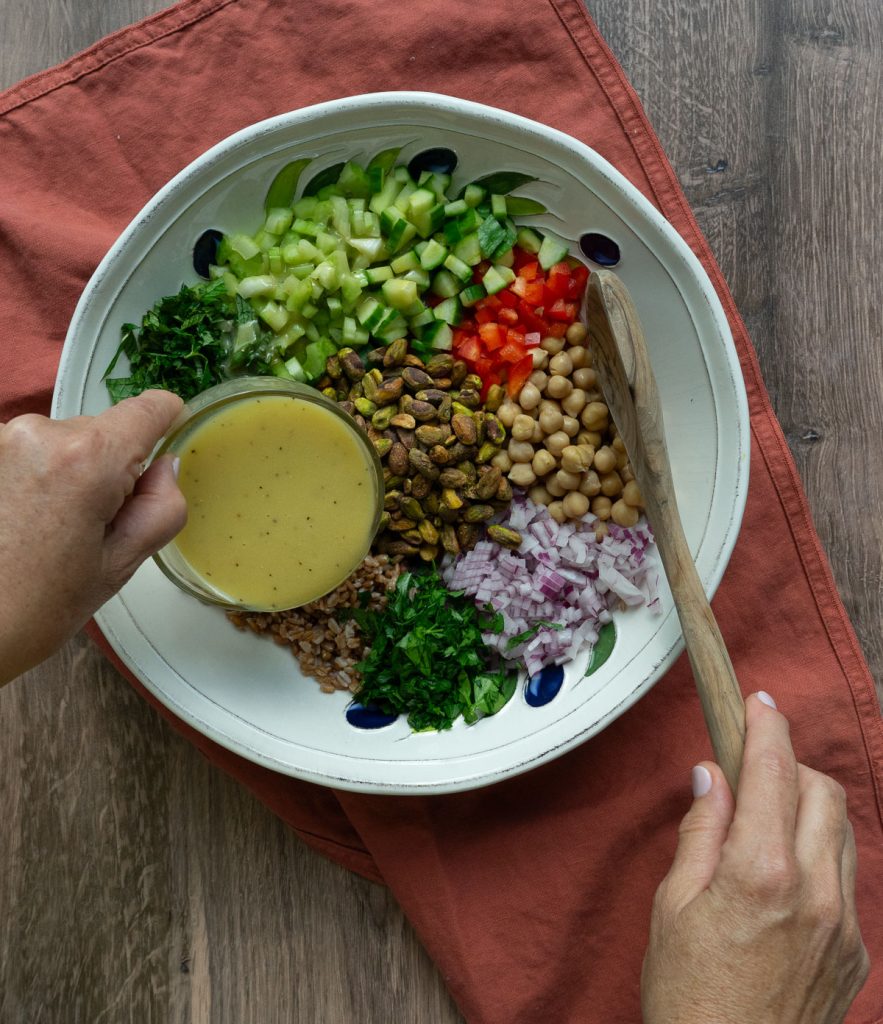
368,716
439,160
544,686
600,249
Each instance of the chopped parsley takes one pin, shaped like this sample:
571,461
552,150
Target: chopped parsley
427,658
183,343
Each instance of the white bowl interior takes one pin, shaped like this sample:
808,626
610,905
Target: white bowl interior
247,693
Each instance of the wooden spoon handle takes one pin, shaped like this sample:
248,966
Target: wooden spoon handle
628,384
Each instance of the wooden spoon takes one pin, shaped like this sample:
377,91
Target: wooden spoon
629,387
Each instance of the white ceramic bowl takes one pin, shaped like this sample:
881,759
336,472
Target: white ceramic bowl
245,692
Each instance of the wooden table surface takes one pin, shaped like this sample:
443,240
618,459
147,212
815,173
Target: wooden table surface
138,884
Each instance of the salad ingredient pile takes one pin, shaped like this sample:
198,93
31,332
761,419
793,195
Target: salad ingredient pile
449,332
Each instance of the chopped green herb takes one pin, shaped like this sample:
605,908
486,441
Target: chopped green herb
180,346
427,658
529,634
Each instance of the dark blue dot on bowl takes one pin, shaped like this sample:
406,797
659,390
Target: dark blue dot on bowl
205,252
544,686
439,160
368,716
600,249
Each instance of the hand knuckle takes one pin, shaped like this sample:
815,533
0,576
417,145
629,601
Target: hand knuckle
772,875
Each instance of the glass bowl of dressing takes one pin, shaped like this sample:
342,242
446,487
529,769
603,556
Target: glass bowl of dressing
284,495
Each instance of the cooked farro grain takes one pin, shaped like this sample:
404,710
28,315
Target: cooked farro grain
326,647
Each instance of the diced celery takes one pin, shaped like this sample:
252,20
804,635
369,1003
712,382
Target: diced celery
278,221
326,274
385,197
274,256
340,216
264,240
306,207
245,247
274,315
350,288
298,292
295,369
455,208
372,248
251,286
327,242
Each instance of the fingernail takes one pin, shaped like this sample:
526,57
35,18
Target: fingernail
176,466
701,780
762,695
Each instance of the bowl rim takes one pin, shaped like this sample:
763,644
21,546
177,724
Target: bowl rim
430,103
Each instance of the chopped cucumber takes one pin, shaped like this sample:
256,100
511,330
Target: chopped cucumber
399,293
552,251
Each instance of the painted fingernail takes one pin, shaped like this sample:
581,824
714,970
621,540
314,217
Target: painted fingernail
701,780
766,698
176,466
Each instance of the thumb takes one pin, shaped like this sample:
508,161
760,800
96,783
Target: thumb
150,518
701,835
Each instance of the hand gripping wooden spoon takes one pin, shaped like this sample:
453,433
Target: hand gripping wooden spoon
626,377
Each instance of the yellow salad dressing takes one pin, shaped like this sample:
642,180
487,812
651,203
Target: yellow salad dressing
282,501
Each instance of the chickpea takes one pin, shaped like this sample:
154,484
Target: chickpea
557,442
539,495
573,459
529,397
631,495
558,387
627,473
577,355
576,333
540,358
622,458
520,451
507,412
539,379
556,511
605,460
569,481
552,345
561,364
623,514
601,531
591,484
543,462
551,418
502,461
522,428
591,437
595,416
618,444
573,404
585,377
538,433
570,426
575,505
522,475
553,487
601,506
611,484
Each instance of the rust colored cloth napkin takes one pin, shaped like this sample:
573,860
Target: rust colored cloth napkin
532,896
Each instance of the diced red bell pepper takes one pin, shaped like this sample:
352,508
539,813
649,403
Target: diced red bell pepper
530,291
558,281
507,316
557,330
485,316
492,336
530,271
511,352
563,311
470,350
507,298
518,374
530,319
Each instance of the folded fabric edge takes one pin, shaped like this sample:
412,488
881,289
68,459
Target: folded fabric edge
110,48
777,456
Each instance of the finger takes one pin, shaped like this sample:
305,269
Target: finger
820,832
848,867
154,514
767,799
702,833
132,428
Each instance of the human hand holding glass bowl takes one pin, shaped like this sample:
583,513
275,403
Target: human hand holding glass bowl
284,495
